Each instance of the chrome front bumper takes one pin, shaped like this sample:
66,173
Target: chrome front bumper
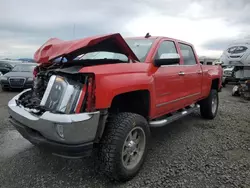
77,128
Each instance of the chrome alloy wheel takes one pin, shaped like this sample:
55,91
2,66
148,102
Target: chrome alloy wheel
214,104
133,148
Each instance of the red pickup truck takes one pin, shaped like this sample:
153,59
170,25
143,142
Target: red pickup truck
106,92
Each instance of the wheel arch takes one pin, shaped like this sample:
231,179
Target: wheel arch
215,84
137,101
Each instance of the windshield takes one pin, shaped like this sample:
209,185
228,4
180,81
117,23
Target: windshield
2,64
103,55
7,64
140,47
23,68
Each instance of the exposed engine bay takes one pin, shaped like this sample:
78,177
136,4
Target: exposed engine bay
58,89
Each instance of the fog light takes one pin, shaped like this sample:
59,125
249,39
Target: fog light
59,130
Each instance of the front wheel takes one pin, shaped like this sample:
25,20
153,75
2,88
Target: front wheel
209,106
123,146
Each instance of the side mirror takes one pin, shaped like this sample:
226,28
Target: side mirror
167,59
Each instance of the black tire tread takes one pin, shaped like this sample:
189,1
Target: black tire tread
206,105
116,128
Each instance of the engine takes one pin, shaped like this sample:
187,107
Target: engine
32,99
58,91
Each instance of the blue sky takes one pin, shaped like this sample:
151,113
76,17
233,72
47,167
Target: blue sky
209,25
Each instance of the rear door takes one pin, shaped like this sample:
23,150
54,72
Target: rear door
191,72
168,84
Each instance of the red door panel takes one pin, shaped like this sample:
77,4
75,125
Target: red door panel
192,74
169,89
192,82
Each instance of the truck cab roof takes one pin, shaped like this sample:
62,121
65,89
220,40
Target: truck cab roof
159,38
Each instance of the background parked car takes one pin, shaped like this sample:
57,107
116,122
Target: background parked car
21,76
27,60
228,75
7,65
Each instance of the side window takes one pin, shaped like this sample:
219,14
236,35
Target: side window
188,54
166,47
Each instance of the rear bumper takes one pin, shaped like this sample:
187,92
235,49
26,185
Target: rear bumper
62,134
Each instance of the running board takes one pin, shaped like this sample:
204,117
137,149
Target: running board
174,117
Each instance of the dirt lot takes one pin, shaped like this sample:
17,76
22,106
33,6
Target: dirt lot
188,153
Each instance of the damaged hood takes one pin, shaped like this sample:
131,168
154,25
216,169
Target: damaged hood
55,47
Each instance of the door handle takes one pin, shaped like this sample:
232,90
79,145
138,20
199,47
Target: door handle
181,73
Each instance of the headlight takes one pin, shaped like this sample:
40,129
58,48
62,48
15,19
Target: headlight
30,79
61,95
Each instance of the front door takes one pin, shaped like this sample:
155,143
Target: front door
168,83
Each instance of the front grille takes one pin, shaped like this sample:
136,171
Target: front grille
16,82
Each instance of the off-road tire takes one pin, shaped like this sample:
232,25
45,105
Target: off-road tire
206,105
111,145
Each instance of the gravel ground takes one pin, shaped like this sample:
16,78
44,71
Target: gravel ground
191,153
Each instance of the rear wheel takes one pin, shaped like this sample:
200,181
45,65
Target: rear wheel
124,145
209,106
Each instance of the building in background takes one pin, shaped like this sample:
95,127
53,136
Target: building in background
209,60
